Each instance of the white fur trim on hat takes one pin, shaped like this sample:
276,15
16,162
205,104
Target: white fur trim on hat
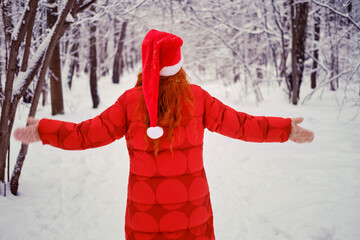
155,132
172,70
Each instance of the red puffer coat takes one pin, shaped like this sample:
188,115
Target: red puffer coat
168,195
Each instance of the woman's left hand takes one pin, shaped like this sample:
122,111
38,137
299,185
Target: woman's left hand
299,134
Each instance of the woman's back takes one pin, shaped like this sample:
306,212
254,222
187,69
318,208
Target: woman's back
168,194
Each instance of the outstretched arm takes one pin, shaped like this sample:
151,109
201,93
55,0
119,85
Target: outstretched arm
224,120
99,131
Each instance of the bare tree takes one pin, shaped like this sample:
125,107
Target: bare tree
27,98
40,60
317,22
299,13
93,62
57,102
332,25
118,60
282,22
74,55
10,102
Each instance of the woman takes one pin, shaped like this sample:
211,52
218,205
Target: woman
163,120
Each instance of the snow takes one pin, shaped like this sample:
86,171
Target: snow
69,18
259,191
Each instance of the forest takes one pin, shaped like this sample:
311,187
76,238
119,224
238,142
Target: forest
71,59
46,44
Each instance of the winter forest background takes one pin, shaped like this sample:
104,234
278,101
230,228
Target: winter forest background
303,53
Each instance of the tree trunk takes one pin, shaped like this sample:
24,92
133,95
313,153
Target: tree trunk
316,51
27,98
1,71
293,80
299,13
103,55
349,10
93,64
334,84
44,93
284,26
4,36
57,102
74,53
7,19
333,25
118,61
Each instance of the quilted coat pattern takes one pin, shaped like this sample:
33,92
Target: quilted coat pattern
168,195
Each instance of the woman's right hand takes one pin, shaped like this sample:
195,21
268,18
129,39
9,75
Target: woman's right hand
28,134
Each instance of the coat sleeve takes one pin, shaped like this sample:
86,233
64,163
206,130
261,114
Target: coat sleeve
224,120
105,128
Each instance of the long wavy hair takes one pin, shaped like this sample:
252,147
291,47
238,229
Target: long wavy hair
174,97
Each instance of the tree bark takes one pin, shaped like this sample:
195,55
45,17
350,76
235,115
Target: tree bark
317,22
293,80
7,19
333,25
118,61
74,53
299,13
57,102
1,71
27,98
5,32
284,26
93,64
349,9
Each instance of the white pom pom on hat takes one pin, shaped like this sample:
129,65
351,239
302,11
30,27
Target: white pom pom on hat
155,132
161,56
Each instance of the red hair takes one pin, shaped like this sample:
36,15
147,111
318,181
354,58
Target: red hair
174,96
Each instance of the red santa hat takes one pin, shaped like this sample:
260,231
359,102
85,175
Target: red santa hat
161,56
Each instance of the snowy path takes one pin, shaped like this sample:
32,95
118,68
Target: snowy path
258,191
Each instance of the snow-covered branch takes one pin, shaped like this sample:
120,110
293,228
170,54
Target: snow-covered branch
21,21
135,7
344,15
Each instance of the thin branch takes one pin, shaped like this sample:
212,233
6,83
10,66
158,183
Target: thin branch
85,6
260,31
28,43
131,9
318,62
344,15
329,80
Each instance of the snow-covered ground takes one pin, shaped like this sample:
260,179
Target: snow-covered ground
259,191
